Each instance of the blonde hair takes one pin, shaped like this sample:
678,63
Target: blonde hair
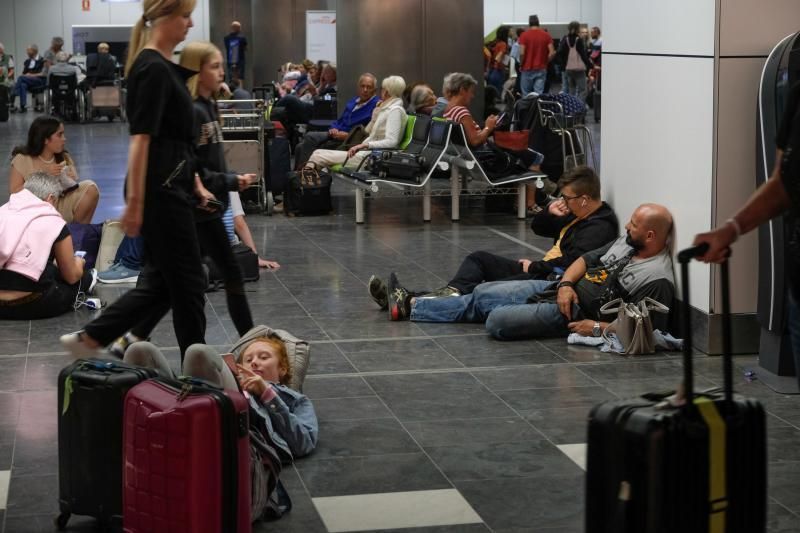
283,355
152,11
394,85
193,56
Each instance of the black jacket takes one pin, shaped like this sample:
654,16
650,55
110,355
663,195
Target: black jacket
210,157
594,231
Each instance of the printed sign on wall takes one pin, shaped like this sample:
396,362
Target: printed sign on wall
321,36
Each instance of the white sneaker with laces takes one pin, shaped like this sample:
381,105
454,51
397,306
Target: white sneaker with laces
74,344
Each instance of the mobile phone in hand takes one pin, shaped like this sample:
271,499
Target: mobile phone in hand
214,204
230,361
80,253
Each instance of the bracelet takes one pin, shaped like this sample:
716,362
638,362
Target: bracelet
564,284
736,227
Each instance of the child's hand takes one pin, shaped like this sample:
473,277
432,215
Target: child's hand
252,382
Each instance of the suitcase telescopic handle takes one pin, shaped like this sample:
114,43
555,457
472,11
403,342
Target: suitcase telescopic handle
684,258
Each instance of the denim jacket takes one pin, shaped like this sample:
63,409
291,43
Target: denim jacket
290,420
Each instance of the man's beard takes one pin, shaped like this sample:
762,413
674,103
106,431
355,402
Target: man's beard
636,245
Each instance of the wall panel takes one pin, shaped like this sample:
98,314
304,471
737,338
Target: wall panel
661,153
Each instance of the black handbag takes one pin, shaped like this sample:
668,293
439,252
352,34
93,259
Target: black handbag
308,193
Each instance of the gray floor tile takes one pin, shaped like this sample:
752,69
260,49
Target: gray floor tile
32,495
303,516
484,430
781,520
413,354
526,400
319,387
328,359
12,373
782,479
42,372
368,407
367,475
535,377
520,503
437,397
354,438
9,407
377,325
564,425
534,458
13,347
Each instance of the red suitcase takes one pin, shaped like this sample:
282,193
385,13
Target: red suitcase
186,459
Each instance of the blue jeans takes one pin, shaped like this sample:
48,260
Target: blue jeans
502,305
496,78
794,332
532,81
24,84
129,252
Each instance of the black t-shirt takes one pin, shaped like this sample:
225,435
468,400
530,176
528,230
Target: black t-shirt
788,140
160,105
13,281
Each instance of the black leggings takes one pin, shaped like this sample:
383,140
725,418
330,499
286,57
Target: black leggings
57,299
172,276
214,243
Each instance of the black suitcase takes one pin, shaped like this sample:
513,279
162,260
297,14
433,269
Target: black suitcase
91,396
596,106
308,194
697,468
3,103
399,165
248,263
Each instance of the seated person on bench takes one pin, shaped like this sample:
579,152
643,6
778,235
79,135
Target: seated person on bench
264,372
385,130
578,222
633,267
357,112
421,100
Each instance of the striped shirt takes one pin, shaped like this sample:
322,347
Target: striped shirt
457,113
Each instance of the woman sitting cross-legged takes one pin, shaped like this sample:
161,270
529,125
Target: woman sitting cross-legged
385,130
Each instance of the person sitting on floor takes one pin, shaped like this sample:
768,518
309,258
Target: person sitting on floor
238,230
44,152
578,222
385,130
633,267
288,416
41,276
357,112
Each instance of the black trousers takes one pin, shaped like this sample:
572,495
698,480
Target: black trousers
213,243
481,266
172,275
56,300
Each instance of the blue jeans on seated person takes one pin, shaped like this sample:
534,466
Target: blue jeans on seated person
129,253
25,84
532,81
503,306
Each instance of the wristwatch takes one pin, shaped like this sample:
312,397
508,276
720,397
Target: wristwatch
596,330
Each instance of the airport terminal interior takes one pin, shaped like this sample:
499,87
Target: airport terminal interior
423,427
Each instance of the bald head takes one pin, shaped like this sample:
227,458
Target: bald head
650,229
236,26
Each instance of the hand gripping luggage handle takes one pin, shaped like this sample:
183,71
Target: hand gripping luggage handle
684,257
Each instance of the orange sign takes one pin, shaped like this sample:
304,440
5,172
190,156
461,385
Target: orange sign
86,4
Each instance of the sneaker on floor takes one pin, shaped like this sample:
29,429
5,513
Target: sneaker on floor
119,346
277,207
377,290
118,273
75,345
399,300
443,292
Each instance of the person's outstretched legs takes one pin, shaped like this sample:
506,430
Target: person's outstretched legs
203,362
148,355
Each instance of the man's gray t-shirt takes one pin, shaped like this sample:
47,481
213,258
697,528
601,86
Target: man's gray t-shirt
652,276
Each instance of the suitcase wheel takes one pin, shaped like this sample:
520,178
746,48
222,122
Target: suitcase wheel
61,521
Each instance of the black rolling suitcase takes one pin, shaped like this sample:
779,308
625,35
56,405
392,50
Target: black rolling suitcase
697,468
280,164
399,165
91,396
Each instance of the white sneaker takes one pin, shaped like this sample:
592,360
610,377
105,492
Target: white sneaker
74,344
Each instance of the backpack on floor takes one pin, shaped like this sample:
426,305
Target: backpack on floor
308,193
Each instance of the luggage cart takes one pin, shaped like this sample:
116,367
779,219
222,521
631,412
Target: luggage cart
575,135
244,146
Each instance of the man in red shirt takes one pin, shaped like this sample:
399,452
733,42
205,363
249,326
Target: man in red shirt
536,50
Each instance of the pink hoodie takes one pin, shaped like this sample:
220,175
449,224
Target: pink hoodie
28,228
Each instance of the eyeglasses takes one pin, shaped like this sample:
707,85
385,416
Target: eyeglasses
567,198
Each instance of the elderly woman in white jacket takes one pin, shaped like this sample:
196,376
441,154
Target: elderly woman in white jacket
385,130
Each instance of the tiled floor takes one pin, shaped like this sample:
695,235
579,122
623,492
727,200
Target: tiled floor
424,427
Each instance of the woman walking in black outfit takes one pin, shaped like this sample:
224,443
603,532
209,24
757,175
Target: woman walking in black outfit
159,188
